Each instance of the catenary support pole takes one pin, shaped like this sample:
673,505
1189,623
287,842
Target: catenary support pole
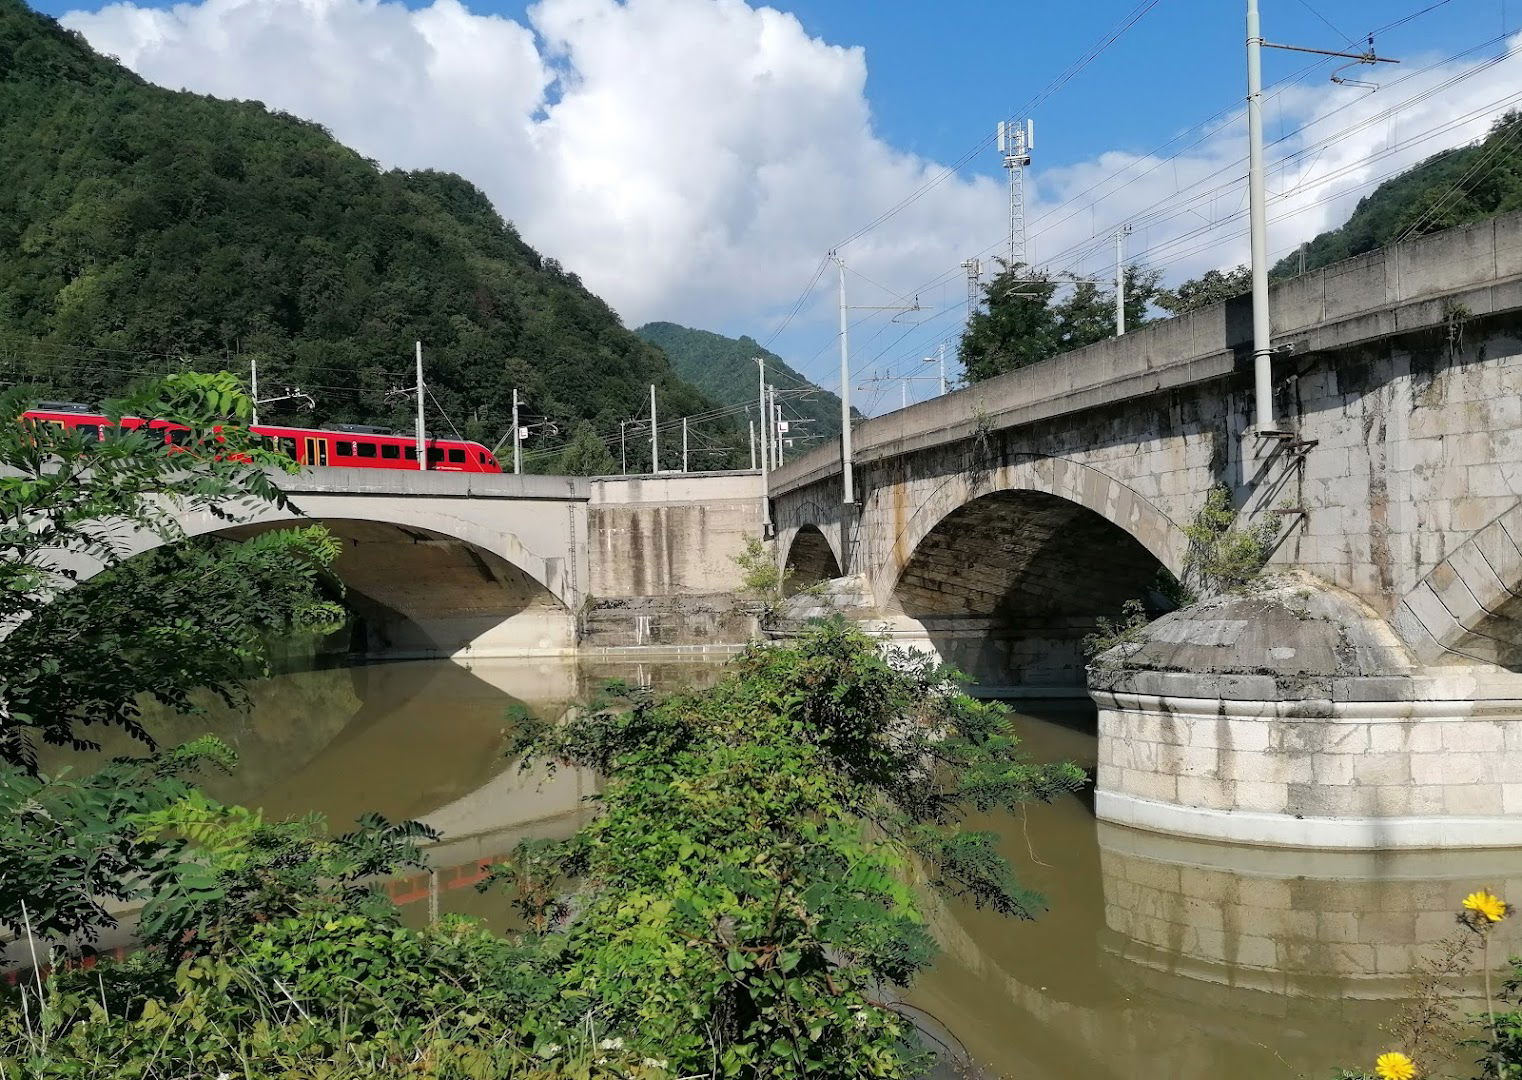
1262,349
847,481
253,383
941,352
752,444
422,447
1120,279
517,437
655,446
766,492
684,444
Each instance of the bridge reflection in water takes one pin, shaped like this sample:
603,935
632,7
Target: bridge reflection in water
1156,957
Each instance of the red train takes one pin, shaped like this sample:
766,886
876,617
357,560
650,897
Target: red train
354,446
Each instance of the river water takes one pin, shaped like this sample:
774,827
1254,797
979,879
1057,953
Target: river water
1157,957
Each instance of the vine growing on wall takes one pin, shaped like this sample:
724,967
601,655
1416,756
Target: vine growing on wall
1223,557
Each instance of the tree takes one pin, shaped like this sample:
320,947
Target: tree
1213,287
193,616
177,225
585,454
1016,329
1025,321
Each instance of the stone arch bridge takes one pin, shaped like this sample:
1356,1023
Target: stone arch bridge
998,523
452,564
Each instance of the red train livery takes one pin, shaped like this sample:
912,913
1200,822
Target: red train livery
353,446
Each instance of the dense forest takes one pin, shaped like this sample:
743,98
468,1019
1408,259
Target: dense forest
145,230
724,368
1455,187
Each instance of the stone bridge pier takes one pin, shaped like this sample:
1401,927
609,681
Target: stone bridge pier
1365,691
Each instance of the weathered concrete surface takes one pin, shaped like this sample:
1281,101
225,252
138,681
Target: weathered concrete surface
671,535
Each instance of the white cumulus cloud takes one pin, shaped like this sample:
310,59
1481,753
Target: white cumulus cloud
692,159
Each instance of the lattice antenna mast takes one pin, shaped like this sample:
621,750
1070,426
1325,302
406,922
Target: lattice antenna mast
974,268
1016,138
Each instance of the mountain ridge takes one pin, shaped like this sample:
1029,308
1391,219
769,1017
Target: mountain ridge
144,229
725,369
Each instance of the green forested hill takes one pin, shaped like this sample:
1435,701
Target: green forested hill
724,368
1452,188
143,229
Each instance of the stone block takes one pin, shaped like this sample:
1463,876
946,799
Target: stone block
1449,769
1426,800
1147,785
1511,798
1378,769
1480,800
1208,792
1475,512
1262,796
1473,736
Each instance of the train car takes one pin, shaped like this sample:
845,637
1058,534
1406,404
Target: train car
352,446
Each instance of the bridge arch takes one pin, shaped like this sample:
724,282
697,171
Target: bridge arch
1005,572
421,581
811,558
1063,478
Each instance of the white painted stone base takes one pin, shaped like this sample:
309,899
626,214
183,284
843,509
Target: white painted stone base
1283,830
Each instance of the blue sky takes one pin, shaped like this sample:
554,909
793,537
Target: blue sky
694,159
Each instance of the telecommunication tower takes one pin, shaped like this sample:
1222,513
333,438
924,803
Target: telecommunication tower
1016,138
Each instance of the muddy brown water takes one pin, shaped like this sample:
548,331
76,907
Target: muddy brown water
1154,957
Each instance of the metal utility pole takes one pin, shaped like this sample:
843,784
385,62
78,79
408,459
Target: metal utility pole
655,446
766,491
752,444
774,414
422,441
1262,334
623,448
684,444
517,437
1016,138
1262,350
253,383
1120,279
940,355
847,481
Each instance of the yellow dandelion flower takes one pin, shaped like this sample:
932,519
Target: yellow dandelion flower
1394,1066
1487,904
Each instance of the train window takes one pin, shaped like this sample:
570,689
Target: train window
411,453
483,457
457,456
91,432
343,448
288,447
435,455
365,449
181,437
390,450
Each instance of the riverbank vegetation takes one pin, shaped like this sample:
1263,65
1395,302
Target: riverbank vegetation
746,903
